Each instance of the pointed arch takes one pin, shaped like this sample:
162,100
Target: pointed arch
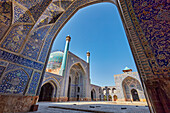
128,84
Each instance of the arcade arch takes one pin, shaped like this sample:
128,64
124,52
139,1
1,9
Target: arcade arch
115,97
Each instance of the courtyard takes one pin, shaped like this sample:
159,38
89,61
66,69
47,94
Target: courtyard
93,107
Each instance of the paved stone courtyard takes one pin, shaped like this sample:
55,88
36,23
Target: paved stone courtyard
91,107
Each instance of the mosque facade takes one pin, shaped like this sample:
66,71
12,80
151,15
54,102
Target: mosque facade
127,88
67,78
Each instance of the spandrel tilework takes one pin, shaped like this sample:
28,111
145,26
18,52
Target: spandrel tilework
38,9
16,38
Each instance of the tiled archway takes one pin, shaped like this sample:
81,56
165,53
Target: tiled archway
28,29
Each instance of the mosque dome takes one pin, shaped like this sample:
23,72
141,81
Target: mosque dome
55,60
56,56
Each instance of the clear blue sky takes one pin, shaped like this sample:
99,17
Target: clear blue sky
98,28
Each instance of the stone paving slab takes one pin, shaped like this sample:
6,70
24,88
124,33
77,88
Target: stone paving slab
87,107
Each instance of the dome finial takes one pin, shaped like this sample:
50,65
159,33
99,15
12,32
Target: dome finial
127,69
68,38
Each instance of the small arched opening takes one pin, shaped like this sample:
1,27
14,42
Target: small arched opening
135,95
100,97
46,92
113,90
110,98
93,95
68,93
115,98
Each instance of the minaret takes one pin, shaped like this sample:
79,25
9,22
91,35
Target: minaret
63,65
88,56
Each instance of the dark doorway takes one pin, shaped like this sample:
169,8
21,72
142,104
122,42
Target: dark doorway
100,97
135,95
77,97
68,93
46,92
92,96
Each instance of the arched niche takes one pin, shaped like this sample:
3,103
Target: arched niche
50,89
93,95
77,83
46,92
130,84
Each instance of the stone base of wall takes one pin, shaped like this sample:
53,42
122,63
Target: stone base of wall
55,99
142,100
13,104
63,99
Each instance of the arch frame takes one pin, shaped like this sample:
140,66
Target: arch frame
124,93
131,30
56,85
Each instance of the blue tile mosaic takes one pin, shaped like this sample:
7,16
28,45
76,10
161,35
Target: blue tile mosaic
3,63
21,15
6,17
20,60
33,85
38,9
33,45
16,37
1,70
14,82
45,50
13,66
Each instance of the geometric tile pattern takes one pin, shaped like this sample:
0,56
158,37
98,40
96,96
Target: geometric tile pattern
13,66
38,9
20,60
14,82
35,42
45,49
21,15
16,37
28,3
33,85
